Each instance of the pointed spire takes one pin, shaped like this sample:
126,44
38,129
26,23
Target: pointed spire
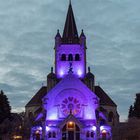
58,34
82,33
70,34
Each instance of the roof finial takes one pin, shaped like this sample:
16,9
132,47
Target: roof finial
88,69
51,69
69,1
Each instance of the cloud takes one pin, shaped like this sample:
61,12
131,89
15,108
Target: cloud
27,35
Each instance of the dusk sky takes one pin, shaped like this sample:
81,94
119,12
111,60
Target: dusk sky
27,31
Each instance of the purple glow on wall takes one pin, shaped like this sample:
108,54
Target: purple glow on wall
40,128
79,72
105,128
61,73
93,128
78,66
47,128
52,116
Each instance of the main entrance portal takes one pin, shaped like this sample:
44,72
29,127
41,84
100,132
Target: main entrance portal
71,131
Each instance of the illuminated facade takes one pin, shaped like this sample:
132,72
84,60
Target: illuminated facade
71,107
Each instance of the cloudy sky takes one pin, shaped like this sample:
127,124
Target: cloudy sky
27,30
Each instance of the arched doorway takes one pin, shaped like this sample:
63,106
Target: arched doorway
105,135
71,131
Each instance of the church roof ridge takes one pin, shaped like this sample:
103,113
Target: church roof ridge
104,98
35,100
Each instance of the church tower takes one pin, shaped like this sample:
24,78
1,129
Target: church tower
70,49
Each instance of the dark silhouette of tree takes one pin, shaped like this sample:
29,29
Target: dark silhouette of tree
134,111
131,112
5,108
137,106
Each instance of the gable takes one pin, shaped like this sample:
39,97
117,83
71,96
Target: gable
70,82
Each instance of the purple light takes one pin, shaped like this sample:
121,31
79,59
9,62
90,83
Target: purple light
105,128
62,67
61,73
93,128
40,128
102,128
47,128
79,73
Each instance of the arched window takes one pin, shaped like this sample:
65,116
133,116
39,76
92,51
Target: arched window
31,116
54,134
70,57
110,116
87,134
63,57
77,57
37,136
92,134
49,134
104,134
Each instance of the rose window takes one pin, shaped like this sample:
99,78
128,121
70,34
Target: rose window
70,105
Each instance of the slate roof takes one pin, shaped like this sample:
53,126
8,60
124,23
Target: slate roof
104,98
70,34
37,98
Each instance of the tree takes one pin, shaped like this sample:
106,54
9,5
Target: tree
137,106
131,112
134,111
5,108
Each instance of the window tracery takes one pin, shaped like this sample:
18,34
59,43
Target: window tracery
70,105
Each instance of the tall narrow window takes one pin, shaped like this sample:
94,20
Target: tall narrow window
77,57
70,57
49,134
110,116
63,57
92,134
87,134
54,134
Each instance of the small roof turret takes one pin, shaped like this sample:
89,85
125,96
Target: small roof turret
82,33
58,34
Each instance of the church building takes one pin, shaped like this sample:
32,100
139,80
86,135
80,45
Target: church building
71,106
